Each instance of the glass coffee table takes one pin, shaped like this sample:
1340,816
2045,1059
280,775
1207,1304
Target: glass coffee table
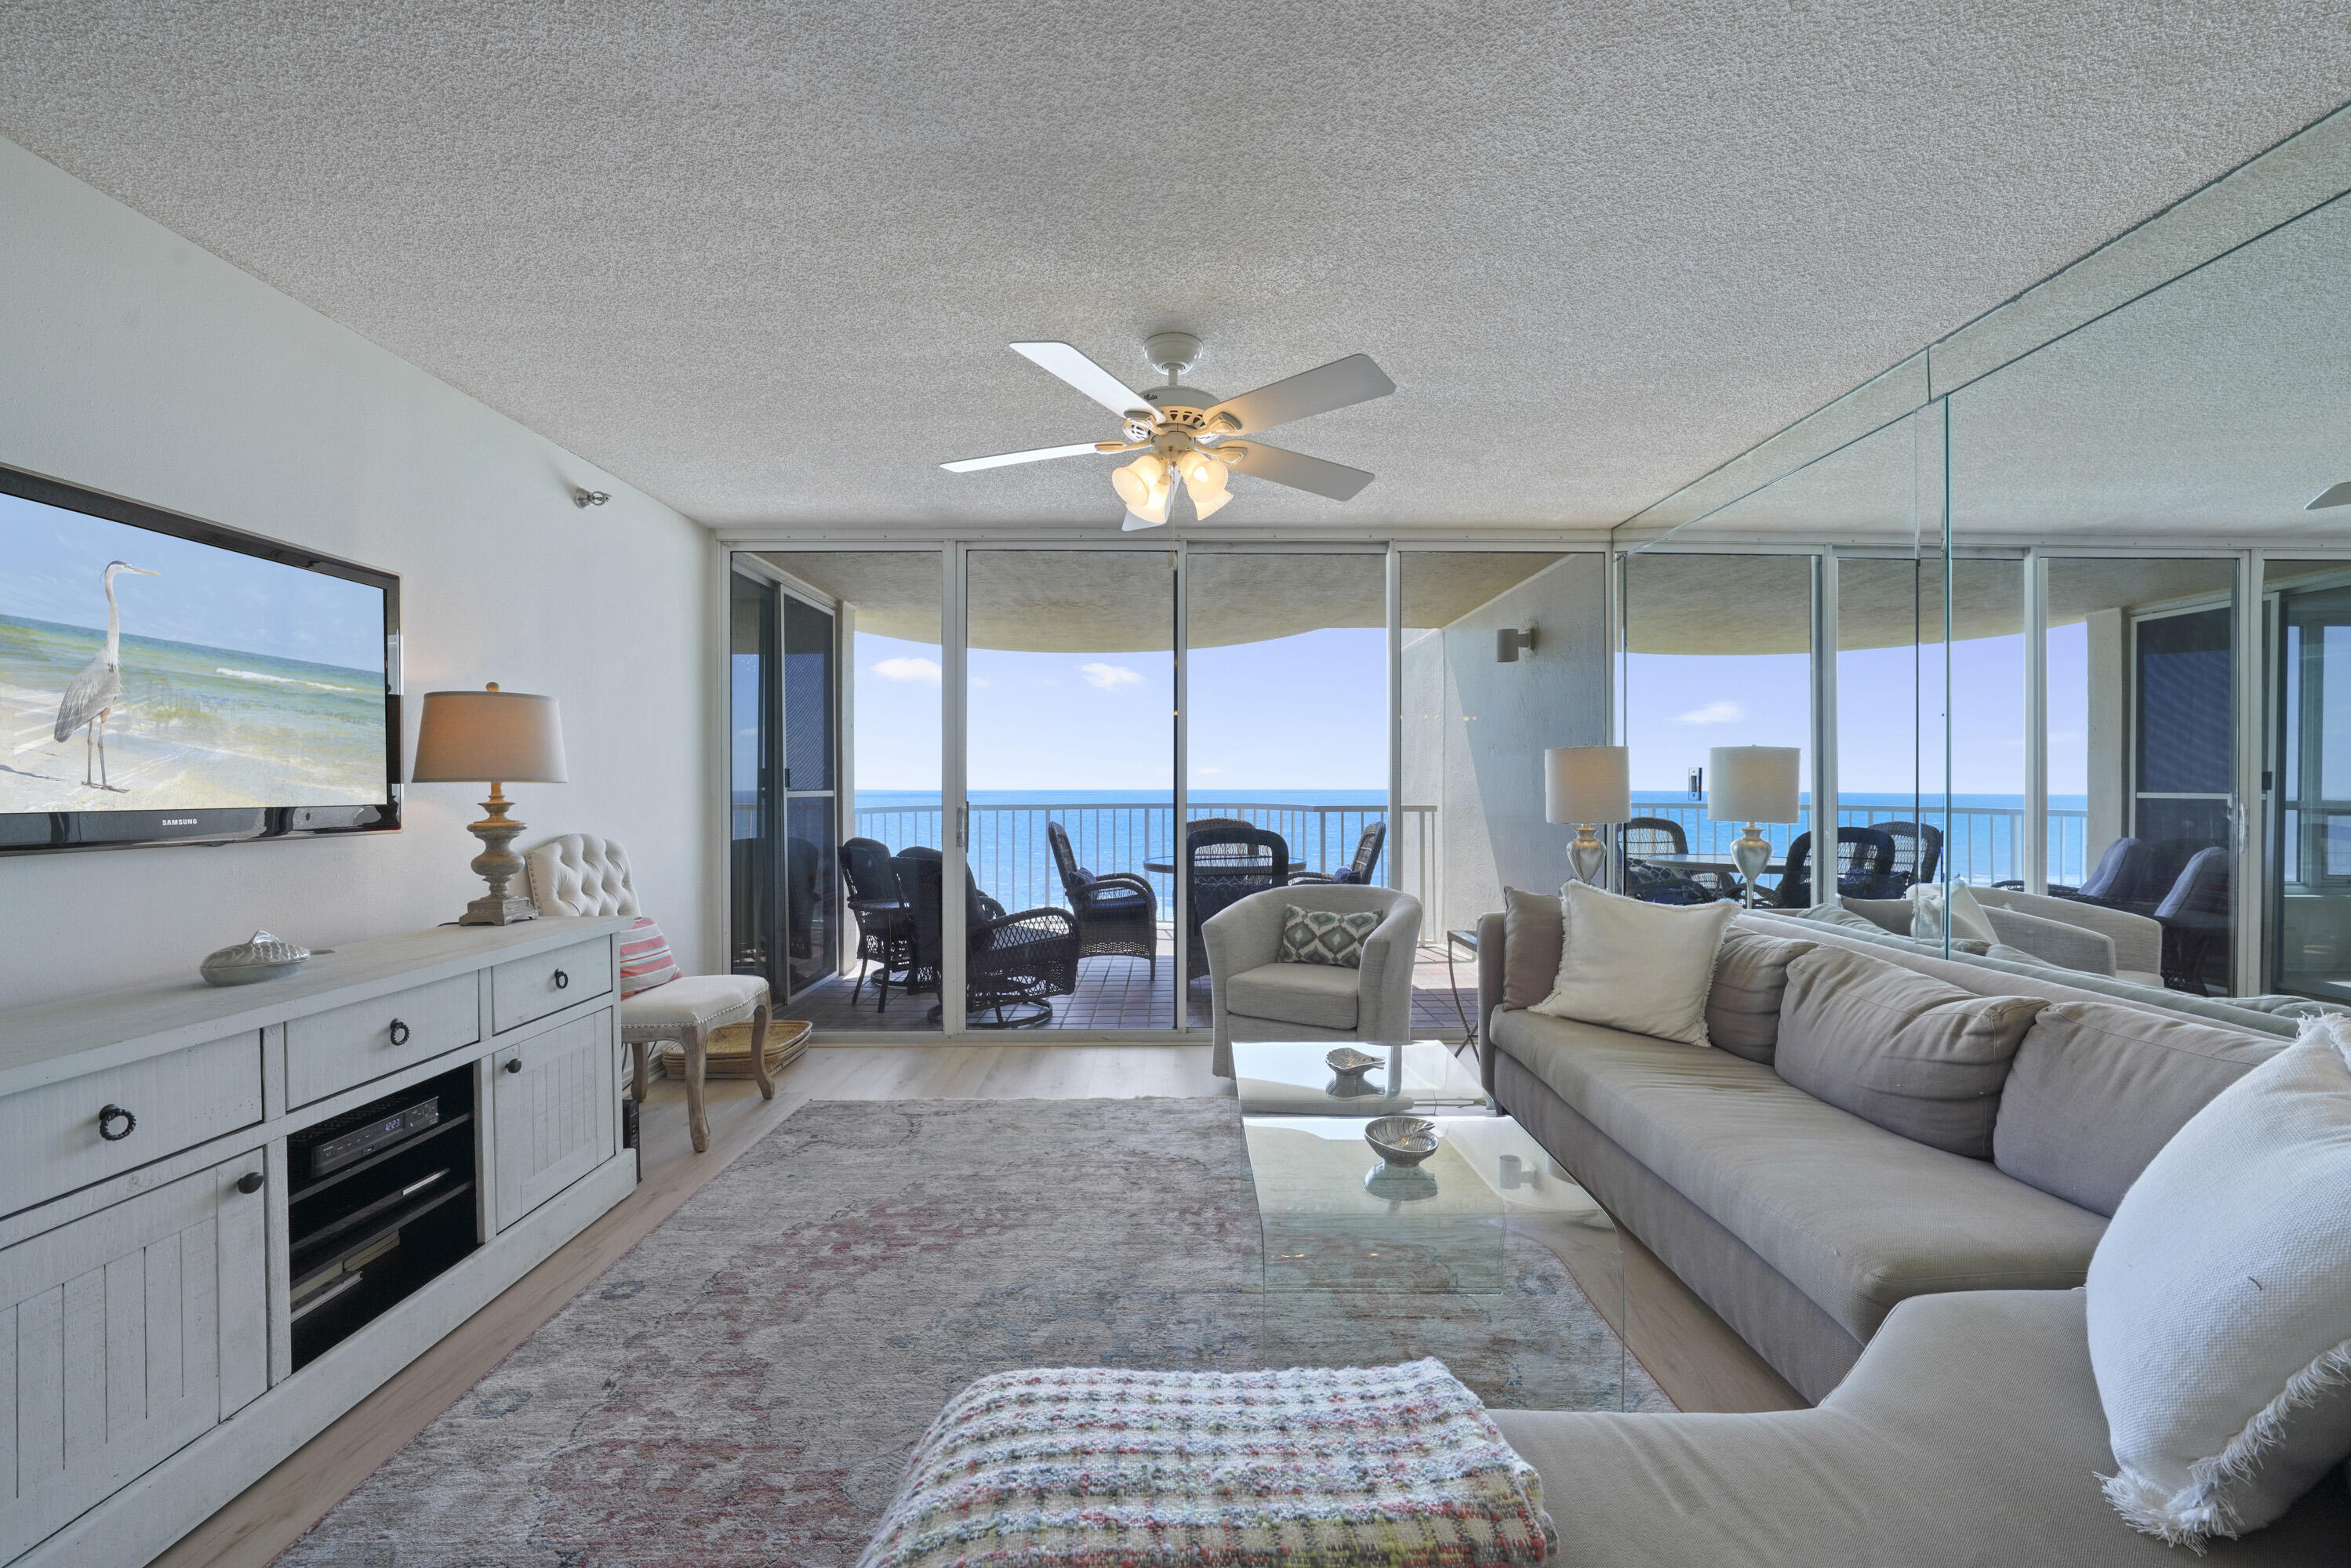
1286,1077
1335,1216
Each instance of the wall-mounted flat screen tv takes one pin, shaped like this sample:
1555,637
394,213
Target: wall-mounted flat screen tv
168,680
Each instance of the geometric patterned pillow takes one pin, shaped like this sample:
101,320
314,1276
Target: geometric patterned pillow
1321,937
646,960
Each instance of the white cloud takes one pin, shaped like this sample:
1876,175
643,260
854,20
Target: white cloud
981,681
1108,677
1207,770
1712,713
926,671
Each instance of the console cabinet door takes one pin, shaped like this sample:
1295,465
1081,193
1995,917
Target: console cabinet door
556,1112
124,1335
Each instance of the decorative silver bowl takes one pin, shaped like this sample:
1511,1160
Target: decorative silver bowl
261,957
1402,1140
1349,1062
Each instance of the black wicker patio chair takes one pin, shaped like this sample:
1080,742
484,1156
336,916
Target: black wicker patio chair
1864,867
1014,964
1641,837
1357,871
1224,863
1118,915
885,925
1917,855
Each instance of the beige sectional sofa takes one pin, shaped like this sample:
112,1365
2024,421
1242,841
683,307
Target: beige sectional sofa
1829,1234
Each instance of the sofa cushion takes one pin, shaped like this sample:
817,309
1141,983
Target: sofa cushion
2053,941
1742,1008
2219,1304
1643,966
1855,1217
2097,1088
1532,931
1318,994
1969,1434
1913,1055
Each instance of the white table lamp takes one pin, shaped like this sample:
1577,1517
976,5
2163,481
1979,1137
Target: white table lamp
1752,784
1587,785
490,737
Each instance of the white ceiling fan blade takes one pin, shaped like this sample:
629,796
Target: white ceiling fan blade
1259,461
1001,459
1083,375
2333,495
1319,391
1134,522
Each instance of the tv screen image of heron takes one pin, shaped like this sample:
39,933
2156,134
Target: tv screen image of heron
142,671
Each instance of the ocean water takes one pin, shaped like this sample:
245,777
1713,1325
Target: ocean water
195,726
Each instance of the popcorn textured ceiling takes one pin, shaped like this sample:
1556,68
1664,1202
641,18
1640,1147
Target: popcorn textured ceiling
763,261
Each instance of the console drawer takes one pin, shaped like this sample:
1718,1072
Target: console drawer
331,1051
175,1101
533,988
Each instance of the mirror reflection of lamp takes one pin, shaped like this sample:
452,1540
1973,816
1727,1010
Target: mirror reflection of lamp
491,737
1587,785
1752,784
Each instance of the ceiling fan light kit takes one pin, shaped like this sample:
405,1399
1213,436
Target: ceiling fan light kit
1182,432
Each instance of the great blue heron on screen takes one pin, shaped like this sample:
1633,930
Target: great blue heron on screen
93,693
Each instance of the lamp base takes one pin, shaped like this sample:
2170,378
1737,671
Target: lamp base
1587,856
494,911
1750,853
499,865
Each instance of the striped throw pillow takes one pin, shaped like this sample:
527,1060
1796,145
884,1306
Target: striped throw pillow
646,960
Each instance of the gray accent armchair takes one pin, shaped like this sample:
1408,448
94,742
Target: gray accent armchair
1255,996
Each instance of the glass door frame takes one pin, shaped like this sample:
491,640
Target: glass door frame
2263,948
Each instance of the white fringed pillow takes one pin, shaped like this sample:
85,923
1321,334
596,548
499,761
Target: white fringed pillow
2220,1302
1646,967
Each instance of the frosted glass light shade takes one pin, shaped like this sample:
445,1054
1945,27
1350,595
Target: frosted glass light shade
1587,784
489,736
1753,783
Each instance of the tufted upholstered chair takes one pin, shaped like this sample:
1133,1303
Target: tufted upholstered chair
580,873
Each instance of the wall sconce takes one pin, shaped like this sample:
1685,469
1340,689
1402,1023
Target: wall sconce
588,498
1508,642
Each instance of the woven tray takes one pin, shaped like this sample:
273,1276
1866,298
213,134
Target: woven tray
727,1052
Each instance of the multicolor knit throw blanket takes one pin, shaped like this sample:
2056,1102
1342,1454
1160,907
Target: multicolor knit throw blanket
1091,1467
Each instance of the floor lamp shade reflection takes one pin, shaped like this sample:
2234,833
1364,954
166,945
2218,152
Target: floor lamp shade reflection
1752,784
491,737
1587,785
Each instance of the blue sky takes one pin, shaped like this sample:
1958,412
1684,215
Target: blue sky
53,564
1307,712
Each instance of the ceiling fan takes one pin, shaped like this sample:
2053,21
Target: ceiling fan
1189,436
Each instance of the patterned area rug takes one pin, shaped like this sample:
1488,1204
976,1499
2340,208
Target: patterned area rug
746,1386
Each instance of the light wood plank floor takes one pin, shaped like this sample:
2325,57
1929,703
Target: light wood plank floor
1698,1359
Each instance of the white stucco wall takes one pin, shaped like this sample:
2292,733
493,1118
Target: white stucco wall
1475,732
142,366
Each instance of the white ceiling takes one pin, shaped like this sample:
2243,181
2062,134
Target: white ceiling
763,261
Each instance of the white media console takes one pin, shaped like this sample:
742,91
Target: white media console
187,1295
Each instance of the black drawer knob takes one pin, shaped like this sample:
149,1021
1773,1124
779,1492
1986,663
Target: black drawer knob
514,1064
562,980
108,1116
249,1183
400,1032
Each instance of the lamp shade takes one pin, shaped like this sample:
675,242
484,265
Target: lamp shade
1587,784
489,736
1753,783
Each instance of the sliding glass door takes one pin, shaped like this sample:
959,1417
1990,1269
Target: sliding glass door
1071,842
2309,772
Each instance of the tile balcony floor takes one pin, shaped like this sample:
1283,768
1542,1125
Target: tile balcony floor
1120,993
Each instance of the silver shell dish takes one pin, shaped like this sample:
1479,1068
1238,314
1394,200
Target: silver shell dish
261,957
1349,1062
1402,1140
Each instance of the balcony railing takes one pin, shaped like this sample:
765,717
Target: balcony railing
1979,842
1012,860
